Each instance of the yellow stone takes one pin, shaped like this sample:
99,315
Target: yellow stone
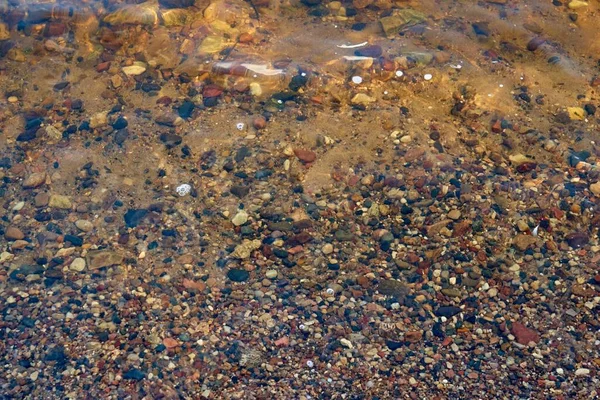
576,113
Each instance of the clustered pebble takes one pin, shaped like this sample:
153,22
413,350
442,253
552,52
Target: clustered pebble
175,236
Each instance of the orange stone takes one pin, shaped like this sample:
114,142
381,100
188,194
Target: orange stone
170,343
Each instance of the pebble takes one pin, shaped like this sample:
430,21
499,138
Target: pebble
362,99
271,274
4,31
327,248
306,156
102,258
99,120
240,218
524,335
582,372
84,225
134,70
78,264
595,188
454,214
523,242
34,180
238,275
14,233
60,201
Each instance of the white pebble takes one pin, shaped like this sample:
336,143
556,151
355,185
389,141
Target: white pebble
330,291
240,126
399,73
427,77
183,189
310,364
357,80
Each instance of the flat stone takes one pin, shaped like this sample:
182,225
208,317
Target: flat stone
133,70
454,214
24,271
84,225
452,292
14,233
362,99
595,188
59,201
41,199
578,239
401,19
102,258
4,31
343,235
524,335
447,311
523,242
306,156
394,288
238,275
34,180
582,372
134,216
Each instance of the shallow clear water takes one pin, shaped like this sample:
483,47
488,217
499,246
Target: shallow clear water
279,199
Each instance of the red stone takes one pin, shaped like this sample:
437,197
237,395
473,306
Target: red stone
103,66
306,156
54,29
523,334
497,126
211,91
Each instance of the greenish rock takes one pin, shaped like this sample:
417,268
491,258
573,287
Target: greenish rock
394,288
468,282
343,235
102,258
451,292
420,58
238,275
21,273
60,201
283,226
399,20
387,237
211,45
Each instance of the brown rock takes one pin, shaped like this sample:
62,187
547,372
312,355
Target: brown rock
14,233
41,199
413,336
211,91
194,285
103,66
259,123
523,334
578,239
523,242
535,43
54,28
96,259
414,154
245,38
170,343
306,156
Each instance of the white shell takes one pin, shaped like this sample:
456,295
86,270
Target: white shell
183,189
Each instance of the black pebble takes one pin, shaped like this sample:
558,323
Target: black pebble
238,275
